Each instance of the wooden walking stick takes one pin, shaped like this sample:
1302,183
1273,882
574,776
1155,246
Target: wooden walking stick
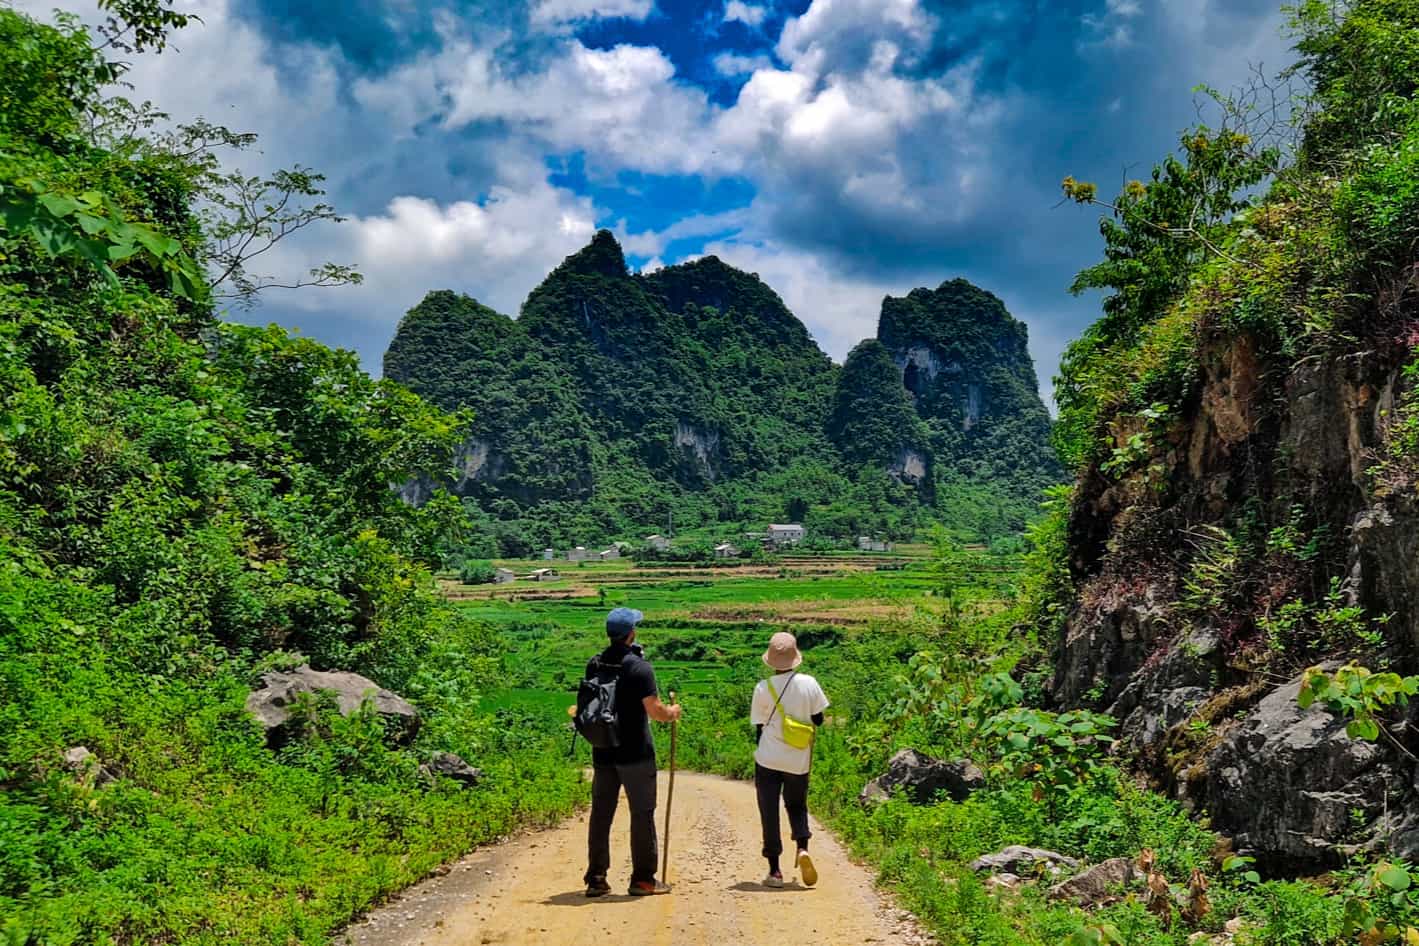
669,799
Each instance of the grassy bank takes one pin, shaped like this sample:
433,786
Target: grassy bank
915,659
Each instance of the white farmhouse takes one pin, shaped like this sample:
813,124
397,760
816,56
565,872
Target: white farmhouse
726,551
786,534
658,542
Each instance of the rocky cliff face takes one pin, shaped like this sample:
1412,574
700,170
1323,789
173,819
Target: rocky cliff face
1218,567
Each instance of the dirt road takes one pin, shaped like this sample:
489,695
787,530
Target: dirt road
528,890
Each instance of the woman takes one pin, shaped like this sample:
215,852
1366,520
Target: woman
786,710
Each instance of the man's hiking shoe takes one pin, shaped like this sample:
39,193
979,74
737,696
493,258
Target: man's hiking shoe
775,879
647,888
597,888
806,870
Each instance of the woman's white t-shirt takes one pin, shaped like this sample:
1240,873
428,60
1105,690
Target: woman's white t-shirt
799,695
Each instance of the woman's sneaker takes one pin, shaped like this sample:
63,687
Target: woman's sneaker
775,879
806,870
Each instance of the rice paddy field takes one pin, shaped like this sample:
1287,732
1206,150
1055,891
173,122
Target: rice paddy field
705,626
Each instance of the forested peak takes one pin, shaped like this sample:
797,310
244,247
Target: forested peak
601,257
445,328
956,313
711,282
453,310
872,418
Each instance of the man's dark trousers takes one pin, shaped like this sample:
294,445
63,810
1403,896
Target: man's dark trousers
769,784
638,778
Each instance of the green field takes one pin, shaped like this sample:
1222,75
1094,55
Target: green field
702,634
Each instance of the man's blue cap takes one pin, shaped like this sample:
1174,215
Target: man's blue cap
620,623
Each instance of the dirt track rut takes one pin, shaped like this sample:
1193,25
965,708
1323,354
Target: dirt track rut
528,890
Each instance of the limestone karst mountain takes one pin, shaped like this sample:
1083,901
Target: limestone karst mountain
694,392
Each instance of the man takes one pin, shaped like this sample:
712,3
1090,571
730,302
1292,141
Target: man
630,765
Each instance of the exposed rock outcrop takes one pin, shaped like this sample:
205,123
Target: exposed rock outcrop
1097,885
451,766
924,778
81,762
1261,443
1024,861
1288,782
280,691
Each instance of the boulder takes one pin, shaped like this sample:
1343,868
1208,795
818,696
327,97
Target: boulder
86,766
923,778
448,765
1285,782
1003,882
1020,860
1096,885
271,705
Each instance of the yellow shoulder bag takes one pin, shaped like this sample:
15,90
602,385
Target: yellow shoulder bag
797,734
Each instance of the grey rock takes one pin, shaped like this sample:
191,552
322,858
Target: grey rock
448,765
1102,651
1383,574
1020,860
1096,885
1003,882
86,766
924,778
1151,720
271,705
1285,781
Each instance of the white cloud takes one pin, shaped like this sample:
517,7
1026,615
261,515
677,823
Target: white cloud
746,13
1111,28
557,12
495,249
620,105
733,65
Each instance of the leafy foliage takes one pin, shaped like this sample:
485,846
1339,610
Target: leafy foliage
184,504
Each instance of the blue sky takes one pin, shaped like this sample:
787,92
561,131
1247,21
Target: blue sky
842,149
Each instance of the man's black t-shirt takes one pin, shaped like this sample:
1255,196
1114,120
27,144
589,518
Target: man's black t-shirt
636,682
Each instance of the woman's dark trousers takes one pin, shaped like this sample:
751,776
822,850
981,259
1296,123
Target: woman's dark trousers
770,785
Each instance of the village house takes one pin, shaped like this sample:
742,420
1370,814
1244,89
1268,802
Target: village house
658,542
546,574
786,534
578,554
867,543
726,551
613,552
548,554
502,576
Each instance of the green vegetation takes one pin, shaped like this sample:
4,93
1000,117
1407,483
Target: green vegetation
873,422
929,656
617,403
183,505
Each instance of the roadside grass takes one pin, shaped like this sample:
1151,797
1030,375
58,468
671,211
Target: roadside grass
961,609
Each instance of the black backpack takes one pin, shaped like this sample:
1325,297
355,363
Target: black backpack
596,717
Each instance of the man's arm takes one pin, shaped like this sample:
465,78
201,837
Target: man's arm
658,711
